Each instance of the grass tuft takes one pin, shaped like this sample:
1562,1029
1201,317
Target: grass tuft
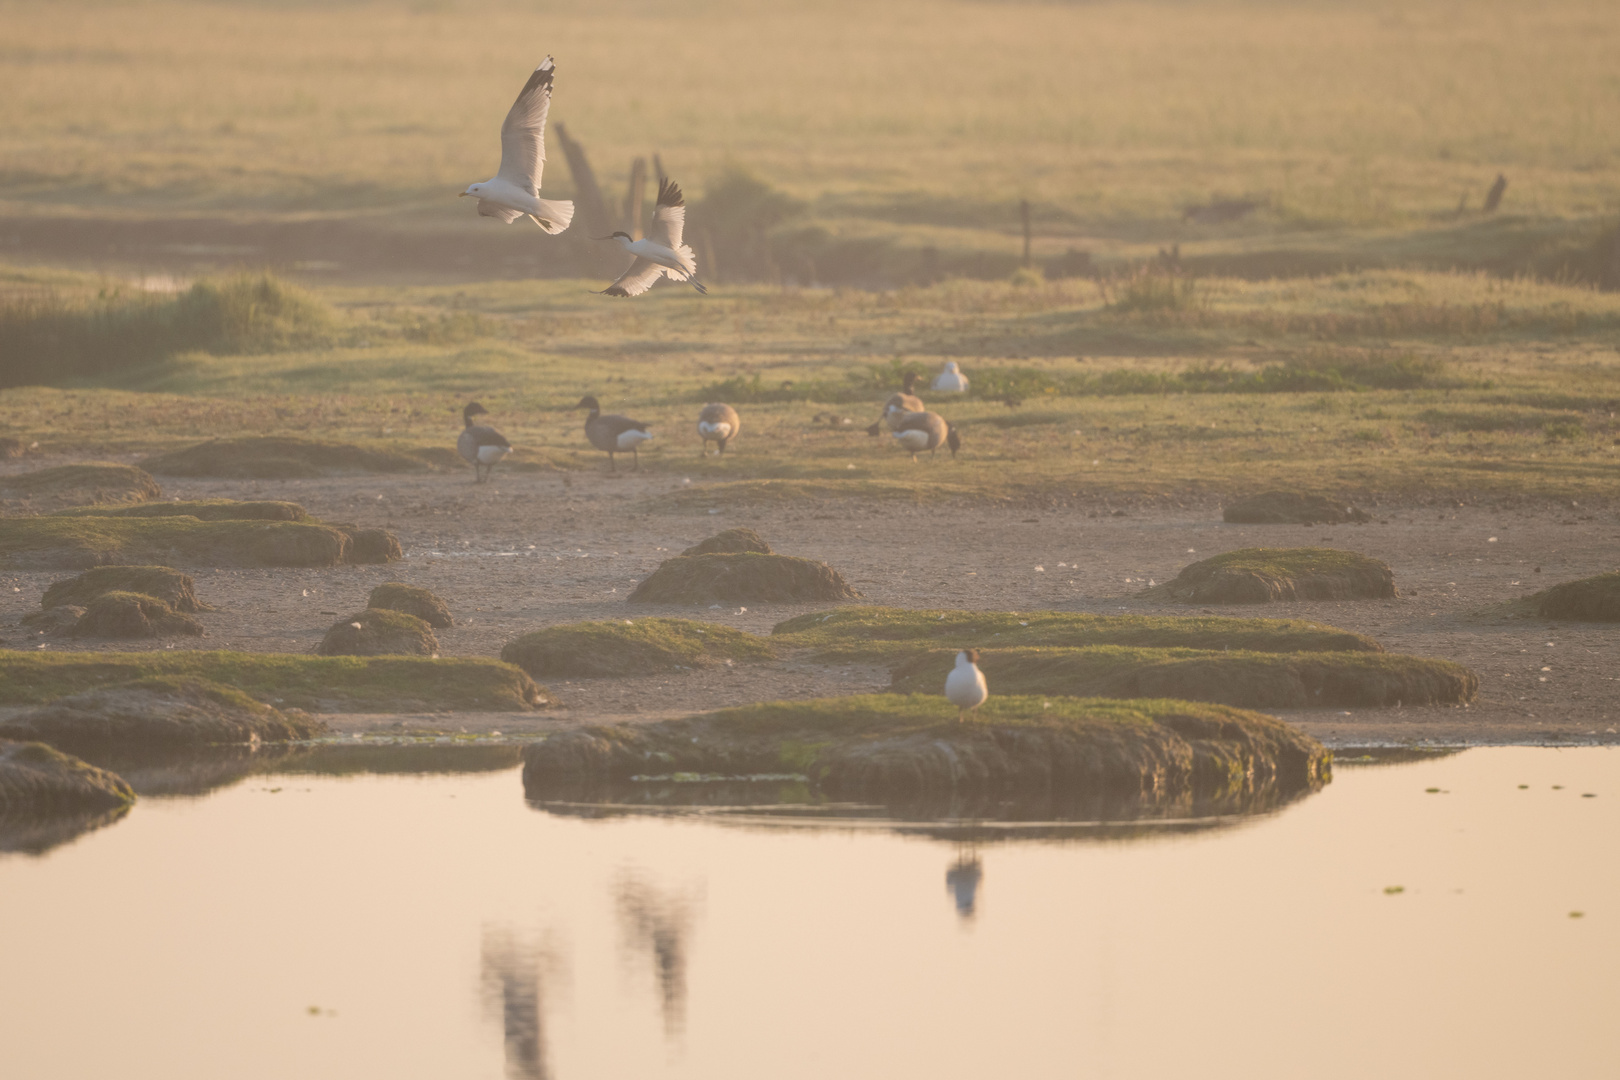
88,482
76,542
127,615
631,647
379,632
315,683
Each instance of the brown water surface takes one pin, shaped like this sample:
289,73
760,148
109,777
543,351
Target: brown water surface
386,926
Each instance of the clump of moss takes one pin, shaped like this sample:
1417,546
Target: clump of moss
1291,508
202,510
286,680
631,647
1593,599
133,615
396,596
1143,755
379,632
157,713
742,578
171,586
277,457
54,621
371,546
80,541
1268,575
731,542
1248,679
890,634
36,779
74,485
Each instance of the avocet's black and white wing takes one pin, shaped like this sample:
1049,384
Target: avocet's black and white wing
668,256
523,134
636,280
669,221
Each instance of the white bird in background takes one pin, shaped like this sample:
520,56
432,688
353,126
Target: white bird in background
951,380
661,254
965,685
515,189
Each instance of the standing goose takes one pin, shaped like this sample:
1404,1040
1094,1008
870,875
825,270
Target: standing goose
720,423
965,686
898,405
951,380
921,431
613,433
515,189
482,446
661,254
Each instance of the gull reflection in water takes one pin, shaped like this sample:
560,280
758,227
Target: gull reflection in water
513,987
659,923
962,880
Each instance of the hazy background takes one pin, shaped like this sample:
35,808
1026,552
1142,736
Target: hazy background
823,141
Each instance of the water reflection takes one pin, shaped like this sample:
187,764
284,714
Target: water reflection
962,880
658,923
512,976
27,834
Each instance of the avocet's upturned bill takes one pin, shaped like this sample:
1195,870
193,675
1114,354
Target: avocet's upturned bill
515,190
661,254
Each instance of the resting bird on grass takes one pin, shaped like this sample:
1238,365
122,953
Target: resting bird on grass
483,447
965,686
515,190
612,433
921,431
720,423
898,405
661,254
951,380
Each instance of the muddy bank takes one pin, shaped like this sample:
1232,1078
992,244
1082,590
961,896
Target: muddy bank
1140,756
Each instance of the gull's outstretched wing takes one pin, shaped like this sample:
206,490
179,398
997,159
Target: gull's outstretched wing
636,280
669,216
523,135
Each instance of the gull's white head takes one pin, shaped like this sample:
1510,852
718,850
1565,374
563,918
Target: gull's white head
950,366
472,189
967,658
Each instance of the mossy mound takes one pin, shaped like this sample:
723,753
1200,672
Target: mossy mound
741,579
1139,755
77,542
75,485
154,714
395,596
286,680
1593,599
277,458
631,647
731,542
379,632
1269,575
54,621
202,510
371,546
883,634
133,615
1291,508
36,779
1252,680
171,586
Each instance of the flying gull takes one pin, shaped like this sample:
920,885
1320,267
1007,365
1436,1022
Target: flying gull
661,254
515,189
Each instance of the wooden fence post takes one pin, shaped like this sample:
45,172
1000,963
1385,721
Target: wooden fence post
633,197
1023,211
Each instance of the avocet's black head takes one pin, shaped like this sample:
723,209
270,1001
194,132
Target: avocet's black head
615,236
588,402
473,409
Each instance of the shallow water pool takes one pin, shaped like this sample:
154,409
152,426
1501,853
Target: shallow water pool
402,926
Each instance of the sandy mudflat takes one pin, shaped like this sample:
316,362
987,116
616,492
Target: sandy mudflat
531,550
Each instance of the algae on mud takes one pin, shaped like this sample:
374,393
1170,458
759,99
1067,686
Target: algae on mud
1269,575
1593,599
1253,680
81,541
315,683
155,714
171,586
631,647
1119,757
741,577
882,634
422,603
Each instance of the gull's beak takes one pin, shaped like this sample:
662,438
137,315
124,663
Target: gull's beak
461,195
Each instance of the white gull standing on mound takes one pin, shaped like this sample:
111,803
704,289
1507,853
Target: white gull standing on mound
965,685
661,254
515,189
951,380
